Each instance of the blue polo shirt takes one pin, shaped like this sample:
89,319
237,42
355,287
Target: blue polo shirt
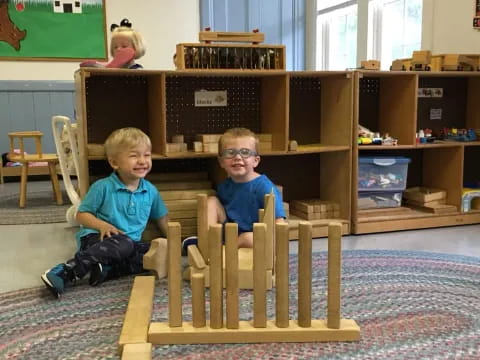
109,200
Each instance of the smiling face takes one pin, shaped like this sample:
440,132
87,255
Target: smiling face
240,169
132,164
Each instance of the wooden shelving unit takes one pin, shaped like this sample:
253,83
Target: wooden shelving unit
388,102
313,108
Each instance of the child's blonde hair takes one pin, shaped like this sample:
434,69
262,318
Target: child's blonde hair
236,133
134,36
125,139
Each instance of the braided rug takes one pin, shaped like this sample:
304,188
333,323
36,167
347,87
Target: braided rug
409,305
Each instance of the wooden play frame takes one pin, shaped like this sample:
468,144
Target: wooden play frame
139,333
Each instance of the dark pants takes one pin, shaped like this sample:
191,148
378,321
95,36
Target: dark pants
121,253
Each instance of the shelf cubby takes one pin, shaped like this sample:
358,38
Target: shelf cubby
320,114
387,104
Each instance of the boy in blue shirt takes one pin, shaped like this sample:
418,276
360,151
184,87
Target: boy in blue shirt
113,216
242,194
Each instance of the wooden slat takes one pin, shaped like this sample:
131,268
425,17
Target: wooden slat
334,274
281,275
231,36
216,278
139,312
184,185
231,272
137,351
305,274
174,275
160,333
185,194
259,276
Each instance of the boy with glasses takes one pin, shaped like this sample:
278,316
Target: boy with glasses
242,194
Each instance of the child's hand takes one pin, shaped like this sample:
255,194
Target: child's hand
107,230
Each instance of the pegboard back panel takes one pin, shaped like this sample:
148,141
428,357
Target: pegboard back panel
305,109
242,109
114,102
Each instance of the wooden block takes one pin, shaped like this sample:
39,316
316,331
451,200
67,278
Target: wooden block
424,194
195,259
208,138
281,275
304,274
231,278
264,146
95,150
198,300
182,214
139,312
302,206
177,139
303,215
174,205
183,176
156,257
334,274
428,203
264,137
259,276
210,148
137,351
225,36
176,147
161,333
197,146
174,275
185,194
183,185
292,145
441,209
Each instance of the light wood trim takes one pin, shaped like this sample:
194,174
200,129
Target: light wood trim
160,333
231,271
259,276
216,275
227,36
137,351
139,312
198,300
305,274
174,275
281,275
334,274
202,224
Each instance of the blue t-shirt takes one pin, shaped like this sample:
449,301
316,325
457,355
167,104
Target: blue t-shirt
242,201
109,200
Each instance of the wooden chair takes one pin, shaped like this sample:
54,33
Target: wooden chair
39,156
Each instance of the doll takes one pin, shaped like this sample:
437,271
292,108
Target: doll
126,45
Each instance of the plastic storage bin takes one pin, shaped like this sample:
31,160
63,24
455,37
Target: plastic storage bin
382,173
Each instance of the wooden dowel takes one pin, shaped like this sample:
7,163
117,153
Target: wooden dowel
174,275
216,283
231,265
202,224
259,276
334,274
304,274
198,300
281,275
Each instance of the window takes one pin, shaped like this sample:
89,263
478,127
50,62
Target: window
394,31
336,34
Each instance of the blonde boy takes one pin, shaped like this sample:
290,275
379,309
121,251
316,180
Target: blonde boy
242,194
113,216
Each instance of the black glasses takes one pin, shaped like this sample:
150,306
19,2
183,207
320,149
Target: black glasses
231,153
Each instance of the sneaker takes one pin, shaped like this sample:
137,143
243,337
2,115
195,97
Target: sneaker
99,274
191,240
57,278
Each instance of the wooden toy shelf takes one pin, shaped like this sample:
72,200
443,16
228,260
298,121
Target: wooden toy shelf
313,108
388,102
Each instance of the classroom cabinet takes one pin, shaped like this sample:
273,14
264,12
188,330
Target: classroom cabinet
403,103
313,108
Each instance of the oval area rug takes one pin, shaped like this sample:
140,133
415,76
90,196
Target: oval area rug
39,209
409,305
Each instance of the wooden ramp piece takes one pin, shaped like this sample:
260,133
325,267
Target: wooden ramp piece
137,352
139,312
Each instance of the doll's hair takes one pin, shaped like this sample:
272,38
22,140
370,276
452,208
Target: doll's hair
125,139
134,36
235,133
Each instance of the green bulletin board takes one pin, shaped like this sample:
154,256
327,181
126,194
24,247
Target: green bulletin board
52,30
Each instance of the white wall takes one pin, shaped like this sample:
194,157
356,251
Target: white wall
448,27
163,24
